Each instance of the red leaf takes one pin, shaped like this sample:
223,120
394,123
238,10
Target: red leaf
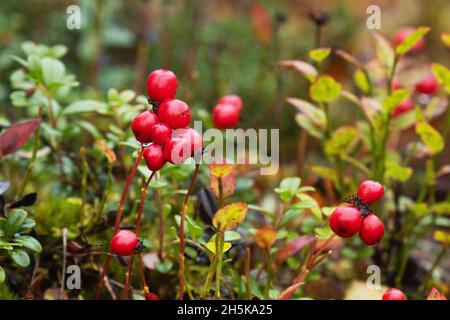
436,295
292,248
227,174
17,135
286,294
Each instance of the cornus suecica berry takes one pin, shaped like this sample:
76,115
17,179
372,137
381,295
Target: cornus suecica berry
370,191
160,133
141,126
372,230
161,85
123,243
394,294
225,116
192,136
150,296
154,157
404,33
403,107
395,84
428,85
175,113
345,221
232,99
177,150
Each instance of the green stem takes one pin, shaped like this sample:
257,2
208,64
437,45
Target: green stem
84,170
32,160
105,195
269,274
435,264
219,254
247,273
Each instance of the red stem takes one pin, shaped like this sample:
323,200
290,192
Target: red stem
183,217
118,219
127,286
141,270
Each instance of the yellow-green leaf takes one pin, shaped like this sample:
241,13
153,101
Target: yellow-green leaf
230,216
341,140
319,54
430,136
395,171
325,89
445,37
212,247
443,75
411,40
384,51
220,170
442,236
397,97
361,81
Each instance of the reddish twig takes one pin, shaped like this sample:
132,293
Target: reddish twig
119,219
126,288
183,217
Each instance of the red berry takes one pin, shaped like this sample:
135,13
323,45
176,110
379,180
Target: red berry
161,85
154,157
232,99
141,126
404,33
150,296
175,113
428,85
395,84
372,230
225,116
160,133
192,136
370,191
394,294
403,107
345,221
177,150
123,243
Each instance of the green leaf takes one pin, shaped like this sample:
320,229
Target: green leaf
319,54
2,275
288,188
397,97
212,246
324,172
313,113
84,106
325,89
411,40
341,140
230,216
430,136
52,71
14,222
443,75
384,51
229,236
164,267
90,128
126,96
20,257
310,127
361,81
29,242
323,232
395,171
441,208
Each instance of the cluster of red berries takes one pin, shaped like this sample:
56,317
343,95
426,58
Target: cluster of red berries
346,221
165,134
166,125
226,113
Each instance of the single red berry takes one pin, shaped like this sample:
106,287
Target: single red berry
177,150
404,33
154,157
192,136
161,85
403,107
395,84
175,113
394,294
372,230
232,99
370,191
225,116
160,133
142,124
123,243
345,221
150,296
428,85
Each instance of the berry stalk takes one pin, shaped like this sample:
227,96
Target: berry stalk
118,219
